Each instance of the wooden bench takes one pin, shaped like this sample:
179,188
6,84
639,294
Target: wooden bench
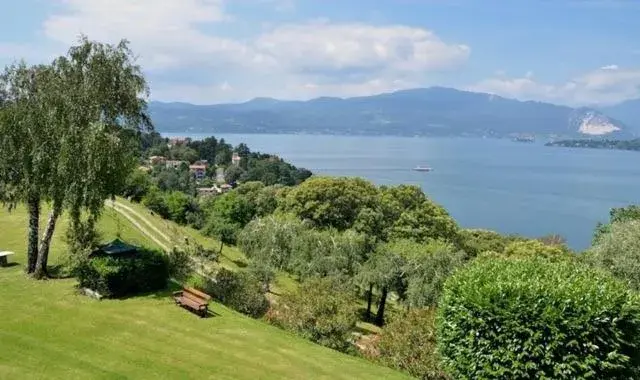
193,299
3,258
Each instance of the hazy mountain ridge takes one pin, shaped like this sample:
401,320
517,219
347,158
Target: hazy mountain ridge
627,112
432,111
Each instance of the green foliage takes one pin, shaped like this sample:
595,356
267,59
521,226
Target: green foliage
206,148
327,252
536,248
169,179
533,318
477,241
428,221
322,310
154,200
137,185
233,173
178,205
427,272
269,240
180,264
616,215
618,251
331,202
240,291
52,115
408,343
119,276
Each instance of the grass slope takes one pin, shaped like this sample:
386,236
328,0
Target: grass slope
48,331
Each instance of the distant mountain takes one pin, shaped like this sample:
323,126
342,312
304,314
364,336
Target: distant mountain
628,112
432,111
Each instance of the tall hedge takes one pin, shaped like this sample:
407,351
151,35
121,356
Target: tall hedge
533,318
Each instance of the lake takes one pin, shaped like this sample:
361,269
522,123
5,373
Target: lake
510,187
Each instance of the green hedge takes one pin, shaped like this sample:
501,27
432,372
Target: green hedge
532,318
119,276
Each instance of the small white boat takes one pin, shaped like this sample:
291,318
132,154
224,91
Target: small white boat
422,168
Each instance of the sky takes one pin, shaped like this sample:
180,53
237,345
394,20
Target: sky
574,52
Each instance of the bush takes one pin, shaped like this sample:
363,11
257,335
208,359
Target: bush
180,264
322,310
239,291
119,276
533,318
618,251
408,343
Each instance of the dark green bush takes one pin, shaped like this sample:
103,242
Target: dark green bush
408,343
239,291
537,319
146,271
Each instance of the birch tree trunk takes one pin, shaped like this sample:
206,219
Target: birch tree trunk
33,204
45,243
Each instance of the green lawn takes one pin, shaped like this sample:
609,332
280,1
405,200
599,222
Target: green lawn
48,331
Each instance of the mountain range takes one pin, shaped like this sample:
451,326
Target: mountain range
434,111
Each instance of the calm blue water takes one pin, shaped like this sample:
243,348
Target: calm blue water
506,186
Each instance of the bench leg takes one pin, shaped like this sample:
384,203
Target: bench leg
3,261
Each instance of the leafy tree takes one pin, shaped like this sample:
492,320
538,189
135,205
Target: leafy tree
532,318
428,221
620,214
79,106
232,174
270,240
428,269
224,152
183,153
264,273
408,343
155,201
331,202
326,253
535,248
385,270
240,291
206,148
477,241
322,310
618,251
137,185
222,229
178,205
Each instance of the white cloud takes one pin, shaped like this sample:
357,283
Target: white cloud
320,46
185,57
607,85
164,32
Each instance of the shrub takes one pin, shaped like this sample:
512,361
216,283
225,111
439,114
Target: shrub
239,291
533,318
408,343
322,310
180,264
118,276
618,251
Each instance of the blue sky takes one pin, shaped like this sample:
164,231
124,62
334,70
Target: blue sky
577,52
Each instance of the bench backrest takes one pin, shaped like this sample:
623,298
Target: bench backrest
197,293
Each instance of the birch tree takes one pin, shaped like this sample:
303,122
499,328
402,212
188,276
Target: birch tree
69,129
